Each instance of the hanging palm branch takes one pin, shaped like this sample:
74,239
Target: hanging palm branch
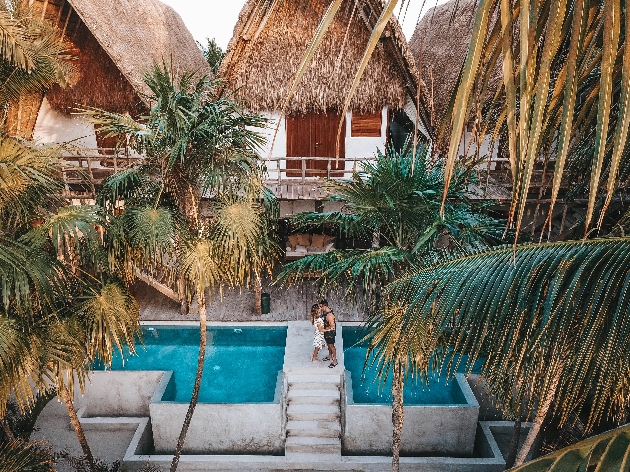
550,320
565,78
606,452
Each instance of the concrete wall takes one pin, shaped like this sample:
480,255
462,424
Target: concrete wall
119,393
254,428
55,127
431,429
218,428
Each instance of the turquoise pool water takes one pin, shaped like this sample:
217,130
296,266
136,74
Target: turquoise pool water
241,364
367,389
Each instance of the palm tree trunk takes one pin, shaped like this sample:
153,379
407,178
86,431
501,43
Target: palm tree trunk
195,394
541,414
516,438
7,430
76,424
398,416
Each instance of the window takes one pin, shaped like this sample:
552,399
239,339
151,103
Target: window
366,125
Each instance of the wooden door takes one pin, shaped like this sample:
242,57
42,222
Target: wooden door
314,135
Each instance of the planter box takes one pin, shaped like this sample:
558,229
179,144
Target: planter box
429,430
218,428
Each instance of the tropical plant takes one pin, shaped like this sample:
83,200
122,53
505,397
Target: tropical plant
565,352
23,456
393,202
32,57
566,74
606,452
213,54
196,146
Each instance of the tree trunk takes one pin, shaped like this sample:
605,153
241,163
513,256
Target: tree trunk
257,294
76,424
516,438
398,416
201,298
541,414
7,430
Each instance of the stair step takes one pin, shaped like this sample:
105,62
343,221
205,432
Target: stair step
318,379
315,386
322,429
320,396
307,445
310,412
311,457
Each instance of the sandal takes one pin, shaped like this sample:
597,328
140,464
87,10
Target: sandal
332,366
327,359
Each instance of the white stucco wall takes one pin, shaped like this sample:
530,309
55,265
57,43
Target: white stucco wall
52,126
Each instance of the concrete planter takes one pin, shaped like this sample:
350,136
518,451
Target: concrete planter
436,430
218,428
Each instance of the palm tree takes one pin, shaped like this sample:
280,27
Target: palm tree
32,57
197,146
566,350
394,202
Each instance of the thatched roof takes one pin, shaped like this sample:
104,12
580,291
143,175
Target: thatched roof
135,33
439,46
266,49
114,43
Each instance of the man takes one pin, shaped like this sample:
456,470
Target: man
329,332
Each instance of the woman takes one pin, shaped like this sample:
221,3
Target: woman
318,342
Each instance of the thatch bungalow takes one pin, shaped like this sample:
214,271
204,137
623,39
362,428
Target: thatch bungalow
261,61
114,43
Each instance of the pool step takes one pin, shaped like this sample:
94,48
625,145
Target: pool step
312,445
314,382
310,412
321,429
298,395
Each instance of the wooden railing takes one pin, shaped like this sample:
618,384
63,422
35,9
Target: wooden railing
91,166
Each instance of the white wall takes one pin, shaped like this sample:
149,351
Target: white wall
52,126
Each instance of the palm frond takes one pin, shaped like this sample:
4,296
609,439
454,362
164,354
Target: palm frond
24,456
561,302
606,452
112,319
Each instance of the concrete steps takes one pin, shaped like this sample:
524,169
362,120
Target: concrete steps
315,445
313,417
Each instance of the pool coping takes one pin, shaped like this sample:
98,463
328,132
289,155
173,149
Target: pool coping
214,323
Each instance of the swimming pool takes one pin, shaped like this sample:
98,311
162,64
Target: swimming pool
241,364
367,389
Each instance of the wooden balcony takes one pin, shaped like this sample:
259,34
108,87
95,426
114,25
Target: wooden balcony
290,178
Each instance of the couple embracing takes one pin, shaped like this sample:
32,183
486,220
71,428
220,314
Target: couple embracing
323,318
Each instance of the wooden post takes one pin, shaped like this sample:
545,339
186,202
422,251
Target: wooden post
328,168
280,171
303,169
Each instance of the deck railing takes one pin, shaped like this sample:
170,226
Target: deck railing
91,166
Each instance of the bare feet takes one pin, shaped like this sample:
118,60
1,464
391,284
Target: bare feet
314,359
